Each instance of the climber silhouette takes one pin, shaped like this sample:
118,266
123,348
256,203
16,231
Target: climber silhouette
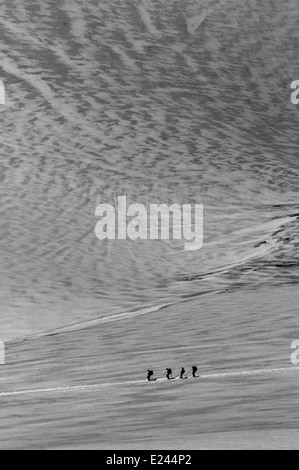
182,373
150,373
169,374
194,370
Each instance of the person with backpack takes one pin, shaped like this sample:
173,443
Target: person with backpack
150,373
182,373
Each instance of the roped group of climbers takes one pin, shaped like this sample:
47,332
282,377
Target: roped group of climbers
168,374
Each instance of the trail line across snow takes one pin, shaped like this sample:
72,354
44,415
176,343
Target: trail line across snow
95,387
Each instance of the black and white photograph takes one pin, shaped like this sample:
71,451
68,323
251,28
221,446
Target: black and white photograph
149,227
